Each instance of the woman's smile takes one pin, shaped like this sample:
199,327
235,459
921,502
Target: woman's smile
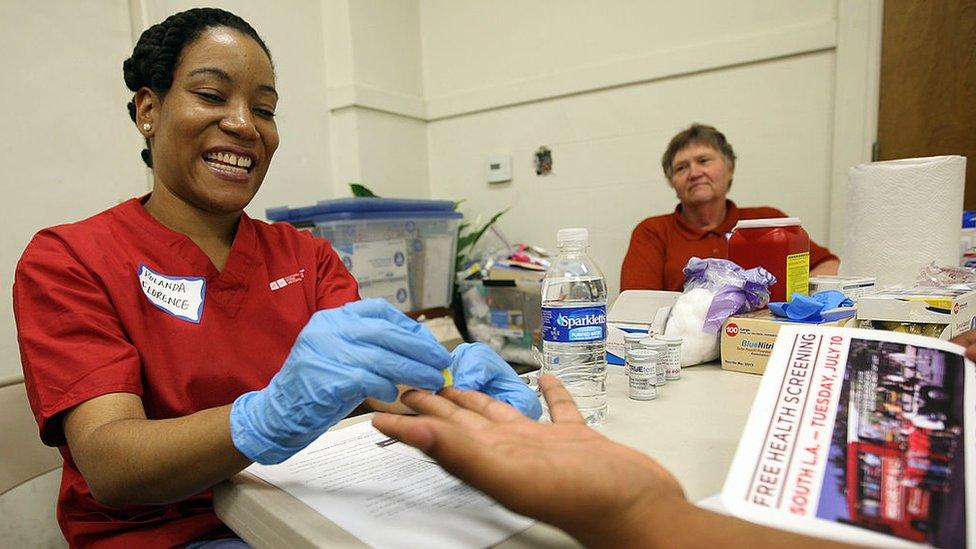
230,163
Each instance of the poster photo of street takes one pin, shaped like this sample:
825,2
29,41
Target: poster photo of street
896,455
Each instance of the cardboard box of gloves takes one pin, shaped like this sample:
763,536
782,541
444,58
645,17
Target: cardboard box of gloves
747,339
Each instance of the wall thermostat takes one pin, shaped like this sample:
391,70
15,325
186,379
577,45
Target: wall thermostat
498,168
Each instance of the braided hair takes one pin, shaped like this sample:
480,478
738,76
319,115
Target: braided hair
158,50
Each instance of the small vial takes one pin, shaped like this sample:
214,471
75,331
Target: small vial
631,340
642,365
661,348
672,360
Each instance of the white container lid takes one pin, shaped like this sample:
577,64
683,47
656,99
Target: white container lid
670,340
643,354
576,234
635,336
766,223
655,343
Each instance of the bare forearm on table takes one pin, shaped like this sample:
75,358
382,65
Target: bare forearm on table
142,461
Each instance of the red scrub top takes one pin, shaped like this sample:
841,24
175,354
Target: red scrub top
661,246
120,303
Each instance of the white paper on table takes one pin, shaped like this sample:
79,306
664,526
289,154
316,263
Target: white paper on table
387,497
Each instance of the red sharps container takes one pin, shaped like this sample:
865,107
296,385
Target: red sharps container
779,245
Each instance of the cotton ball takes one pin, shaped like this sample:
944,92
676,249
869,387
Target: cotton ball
687,317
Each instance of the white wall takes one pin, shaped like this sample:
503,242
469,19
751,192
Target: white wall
606,87
68,147
470,44
301,172
376,96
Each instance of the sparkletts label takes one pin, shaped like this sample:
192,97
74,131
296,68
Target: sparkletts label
574,324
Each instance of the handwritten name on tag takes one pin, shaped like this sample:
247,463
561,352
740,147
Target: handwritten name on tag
179,296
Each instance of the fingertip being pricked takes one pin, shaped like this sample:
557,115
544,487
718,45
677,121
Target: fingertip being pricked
447,392
411,397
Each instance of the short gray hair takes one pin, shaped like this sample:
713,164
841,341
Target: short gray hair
697,133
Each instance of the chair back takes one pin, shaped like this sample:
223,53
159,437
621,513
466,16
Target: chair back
23,457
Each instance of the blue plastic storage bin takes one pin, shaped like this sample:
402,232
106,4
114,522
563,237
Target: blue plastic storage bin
401,250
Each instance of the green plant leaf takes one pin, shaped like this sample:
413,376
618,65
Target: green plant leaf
467,241
360,190
458,203
488,225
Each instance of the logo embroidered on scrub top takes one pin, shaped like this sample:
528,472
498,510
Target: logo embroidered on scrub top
290,279
179,296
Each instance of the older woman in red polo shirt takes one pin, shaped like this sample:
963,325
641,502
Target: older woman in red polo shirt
699,164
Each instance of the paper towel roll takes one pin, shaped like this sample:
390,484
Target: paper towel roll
901,215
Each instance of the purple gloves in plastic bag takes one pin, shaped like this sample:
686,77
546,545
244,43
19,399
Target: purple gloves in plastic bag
737,290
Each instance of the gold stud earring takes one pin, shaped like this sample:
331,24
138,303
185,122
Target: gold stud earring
147,127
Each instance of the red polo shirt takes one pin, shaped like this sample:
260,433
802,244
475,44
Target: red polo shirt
119,303
661,246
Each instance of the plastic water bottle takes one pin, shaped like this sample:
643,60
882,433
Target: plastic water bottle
574,325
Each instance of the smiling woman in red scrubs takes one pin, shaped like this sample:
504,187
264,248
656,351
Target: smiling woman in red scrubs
157,353
699,164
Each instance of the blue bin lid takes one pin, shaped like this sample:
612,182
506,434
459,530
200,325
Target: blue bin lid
969,219
365,208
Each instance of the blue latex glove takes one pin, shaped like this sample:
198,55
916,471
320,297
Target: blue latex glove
342,356
810,309
476,367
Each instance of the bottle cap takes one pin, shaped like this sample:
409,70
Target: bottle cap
635,336
577,234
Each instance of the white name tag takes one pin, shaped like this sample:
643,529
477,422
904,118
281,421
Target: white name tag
181,297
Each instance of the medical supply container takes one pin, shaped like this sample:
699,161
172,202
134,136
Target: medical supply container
400,250
574,325
671,359
661,348
851,286
632,341
505,315
642,374
779,245
937,312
